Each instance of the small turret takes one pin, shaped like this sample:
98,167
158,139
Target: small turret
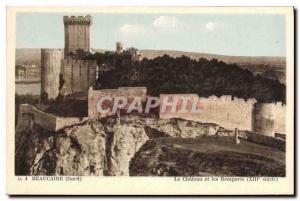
264,118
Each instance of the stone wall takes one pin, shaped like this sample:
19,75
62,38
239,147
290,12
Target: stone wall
43,119
95,95
269,141
47,121
78,75
226,111
231,112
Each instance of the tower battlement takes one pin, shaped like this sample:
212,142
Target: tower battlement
78,20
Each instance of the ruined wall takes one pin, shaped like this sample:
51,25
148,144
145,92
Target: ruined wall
63,122
51,60
269,141
45,120
95,95
77,33
78,75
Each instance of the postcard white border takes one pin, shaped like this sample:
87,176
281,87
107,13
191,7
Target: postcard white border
150,185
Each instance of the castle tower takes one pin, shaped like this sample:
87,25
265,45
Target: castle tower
51,60
264,119
77,33
119,47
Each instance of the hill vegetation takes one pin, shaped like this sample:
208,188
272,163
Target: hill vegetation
167,74
183,74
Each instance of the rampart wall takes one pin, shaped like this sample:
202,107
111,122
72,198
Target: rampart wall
49,121
226,111
95,95
231,112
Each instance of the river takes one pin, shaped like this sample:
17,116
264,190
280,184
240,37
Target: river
31,88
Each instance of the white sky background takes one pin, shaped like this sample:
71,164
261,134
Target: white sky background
241,35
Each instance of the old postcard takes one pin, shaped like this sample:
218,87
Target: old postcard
150,100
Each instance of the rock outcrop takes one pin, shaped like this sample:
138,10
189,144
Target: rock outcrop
129,146
91,148
78,150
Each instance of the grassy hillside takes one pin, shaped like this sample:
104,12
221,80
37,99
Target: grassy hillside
206,156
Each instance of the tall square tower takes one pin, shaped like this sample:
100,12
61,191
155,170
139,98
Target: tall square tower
77,33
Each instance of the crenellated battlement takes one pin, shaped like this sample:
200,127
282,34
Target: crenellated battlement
78,20
229,99
278,104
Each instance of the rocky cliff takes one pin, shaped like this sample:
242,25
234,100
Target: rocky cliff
113,147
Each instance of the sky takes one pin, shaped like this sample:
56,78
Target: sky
230,34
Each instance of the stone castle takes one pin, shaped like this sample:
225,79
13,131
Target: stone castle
60,72
77,75
63,74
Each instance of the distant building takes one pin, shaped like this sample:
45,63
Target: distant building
32,70
20,70
119,47
135,55
27,71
